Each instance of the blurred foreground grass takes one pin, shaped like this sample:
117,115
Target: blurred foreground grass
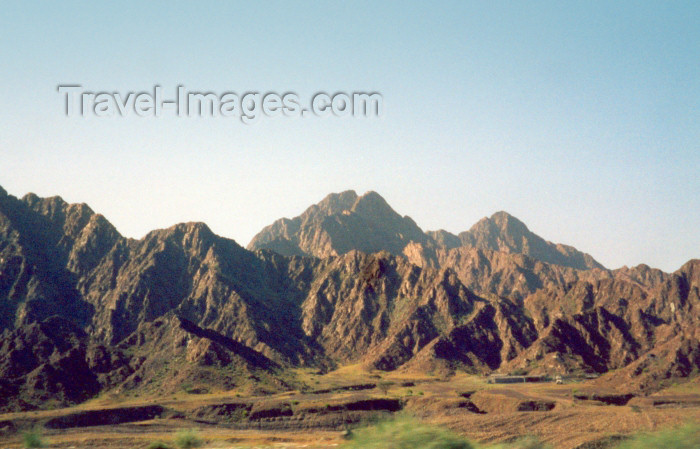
407,433
686,437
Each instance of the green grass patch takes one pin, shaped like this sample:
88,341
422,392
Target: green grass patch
188,439
32,439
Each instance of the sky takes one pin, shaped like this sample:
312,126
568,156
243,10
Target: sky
580,118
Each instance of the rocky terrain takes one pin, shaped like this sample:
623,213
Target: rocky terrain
85,311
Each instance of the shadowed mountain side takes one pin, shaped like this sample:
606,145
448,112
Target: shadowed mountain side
47,247
45,364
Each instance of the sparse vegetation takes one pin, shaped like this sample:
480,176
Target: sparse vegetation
32,439
158,445
188,439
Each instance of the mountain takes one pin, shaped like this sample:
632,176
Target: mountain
87,311
505,233
338,224
343,221
46,245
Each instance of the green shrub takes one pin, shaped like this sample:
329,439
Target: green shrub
187,439
158,445
405,433
32,439
686,437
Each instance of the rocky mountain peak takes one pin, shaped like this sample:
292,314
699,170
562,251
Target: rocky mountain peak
194,238
49,203
339,223
506,233
373,206
508,223
335,203
371,202
691,270
194,228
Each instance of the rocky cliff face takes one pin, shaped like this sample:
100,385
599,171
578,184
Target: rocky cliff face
79,301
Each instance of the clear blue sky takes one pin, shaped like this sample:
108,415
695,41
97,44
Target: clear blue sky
580,118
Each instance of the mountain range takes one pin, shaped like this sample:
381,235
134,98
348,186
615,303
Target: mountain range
343,222
84,310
